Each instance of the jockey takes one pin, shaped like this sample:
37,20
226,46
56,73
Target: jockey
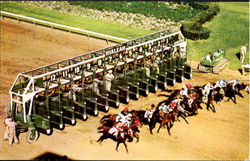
164,109
128,119
149,112
122,117
221,83
206,91
188,86
188,95
234,82
207,88
116,128
174,103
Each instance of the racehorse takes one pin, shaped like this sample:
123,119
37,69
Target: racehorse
140,114
108,121
122,136
230,92
167,119
219,94
210,98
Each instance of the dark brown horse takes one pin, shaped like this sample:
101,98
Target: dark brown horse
122,136
140,114
231,93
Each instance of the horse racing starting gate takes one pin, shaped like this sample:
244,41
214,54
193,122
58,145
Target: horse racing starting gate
50,96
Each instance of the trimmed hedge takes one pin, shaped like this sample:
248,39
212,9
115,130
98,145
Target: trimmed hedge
193,29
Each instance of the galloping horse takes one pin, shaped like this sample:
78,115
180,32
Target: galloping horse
230,92
110,120
140,114
121,137
219,94
168,119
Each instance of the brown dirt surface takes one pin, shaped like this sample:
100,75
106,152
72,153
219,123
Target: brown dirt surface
223,135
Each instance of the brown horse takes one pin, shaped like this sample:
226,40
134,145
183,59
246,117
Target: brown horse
231,93
110,120
122,136
140,114
168,119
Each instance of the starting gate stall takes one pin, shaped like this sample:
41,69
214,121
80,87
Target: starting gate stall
50,96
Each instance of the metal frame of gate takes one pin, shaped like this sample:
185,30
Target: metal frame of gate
47,84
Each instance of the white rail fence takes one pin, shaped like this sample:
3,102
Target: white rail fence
63,27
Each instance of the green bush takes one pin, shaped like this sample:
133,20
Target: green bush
199,5
193,29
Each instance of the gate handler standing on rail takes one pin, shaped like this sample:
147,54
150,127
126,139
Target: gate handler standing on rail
109,78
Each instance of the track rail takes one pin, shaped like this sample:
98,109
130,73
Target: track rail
63,27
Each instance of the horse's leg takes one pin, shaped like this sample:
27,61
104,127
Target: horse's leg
100,139
212,107
117,145
136,136
234,99
208,105
183,115
162,123
151,127
169,128
125,146
238,93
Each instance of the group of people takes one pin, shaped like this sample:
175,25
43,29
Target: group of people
10,130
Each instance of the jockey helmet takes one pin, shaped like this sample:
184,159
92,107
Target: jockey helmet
110,71
211,83
126,109
224,80
237,80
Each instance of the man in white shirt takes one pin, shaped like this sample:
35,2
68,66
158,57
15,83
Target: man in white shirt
243,51
109,78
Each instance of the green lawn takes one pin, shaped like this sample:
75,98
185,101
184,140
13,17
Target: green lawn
229,30
104,27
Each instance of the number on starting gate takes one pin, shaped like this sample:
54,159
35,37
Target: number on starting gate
77,70
99,63
88,66
110,59
65,73
53,77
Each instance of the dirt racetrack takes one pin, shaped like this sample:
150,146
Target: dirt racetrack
223,135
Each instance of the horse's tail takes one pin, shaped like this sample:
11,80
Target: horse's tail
104,117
